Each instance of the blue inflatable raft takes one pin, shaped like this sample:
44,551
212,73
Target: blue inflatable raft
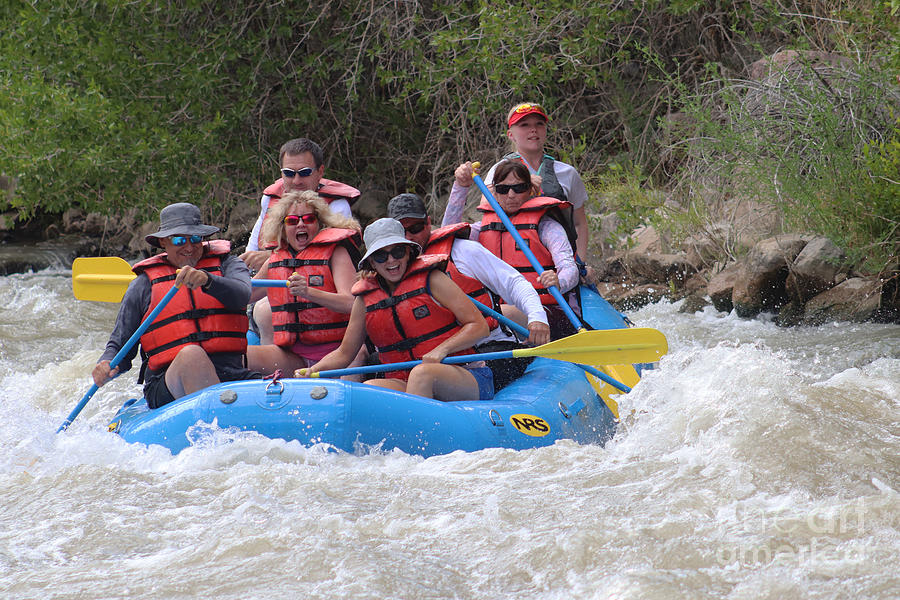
553,400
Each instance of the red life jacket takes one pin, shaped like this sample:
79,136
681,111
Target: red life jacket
296,319
441,242
498,240
409,323
191,316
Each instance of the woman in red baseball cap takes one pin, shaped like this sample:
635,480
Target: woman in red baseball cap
527,131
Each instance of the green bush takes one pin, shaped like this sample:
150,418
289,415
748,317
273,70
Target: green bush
106,104
110,105
815,141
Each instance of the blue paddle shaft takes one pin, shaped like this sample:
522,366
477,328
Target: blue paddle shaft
486,310
120,355
402,366
538,268
269,283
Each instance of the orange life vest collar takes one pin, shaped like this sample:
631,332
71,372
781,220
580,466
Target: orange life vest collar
328,189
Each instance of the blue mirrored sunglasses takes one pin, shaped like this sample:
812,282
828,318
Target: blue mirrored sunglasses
181,240
304,172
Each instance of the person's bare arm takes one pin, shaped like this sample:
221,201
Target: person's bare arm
451,297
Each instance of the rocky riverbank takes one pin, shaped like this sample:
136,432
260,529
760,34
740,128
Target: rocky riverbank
799,278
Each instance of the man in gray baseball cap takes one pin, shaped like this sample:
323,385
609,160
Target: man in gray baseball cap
200,337
407,206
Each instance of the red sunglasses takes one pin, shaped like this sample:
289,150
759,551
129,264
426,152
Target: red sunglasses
308,218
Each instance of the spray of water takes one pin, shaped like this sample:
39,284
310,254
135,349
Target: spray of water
756,462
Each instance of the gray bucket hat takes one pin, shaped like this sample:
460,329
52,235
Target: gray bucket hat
407,206
383,233
182,218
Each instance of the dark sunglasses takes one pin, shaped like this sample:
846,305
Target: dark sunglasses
415,227
308,218
181,240
304,172
398,252
502,188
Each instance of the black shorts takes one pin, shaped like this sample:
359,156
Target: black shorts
560,325
157,393
505,370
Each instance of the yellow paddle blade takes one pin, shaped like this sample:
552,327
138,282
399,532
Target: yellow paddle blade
623,374
103,278
604,347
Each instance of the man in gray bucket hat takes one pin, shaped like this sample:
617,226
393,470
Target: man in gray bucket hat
200,337
182,218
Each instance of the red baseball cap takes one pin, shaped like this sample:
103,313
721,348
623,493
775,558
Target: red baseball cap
520,111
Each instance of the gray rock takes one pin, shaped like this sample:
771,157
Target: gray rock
721,287
760,286
702,250
815,269
856,299
611,269
608,224
693,303
632,297
790,314
695,284
669,269
646,240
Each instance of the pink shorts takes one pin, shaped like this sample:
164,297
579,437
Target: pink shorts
313,353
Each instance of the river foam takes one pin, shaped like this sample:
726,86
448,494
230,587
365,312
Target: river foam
755,462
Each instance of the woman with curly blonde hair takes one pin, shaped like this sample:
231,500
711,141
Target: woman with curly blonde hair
316,255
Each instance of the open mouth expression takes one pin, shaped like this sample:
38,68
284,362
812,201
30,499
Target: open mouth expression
300,235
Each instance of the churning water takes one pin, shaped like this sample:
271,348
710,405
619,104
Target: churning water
756,462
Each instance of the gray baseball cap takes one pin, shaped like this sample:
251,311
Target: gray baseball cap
407,206
383,233
182,218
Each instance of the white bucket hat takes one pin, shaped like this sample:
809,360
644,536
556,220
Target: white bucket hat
383,233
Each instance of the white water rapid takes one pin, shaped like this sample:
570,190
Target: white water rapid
756,462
